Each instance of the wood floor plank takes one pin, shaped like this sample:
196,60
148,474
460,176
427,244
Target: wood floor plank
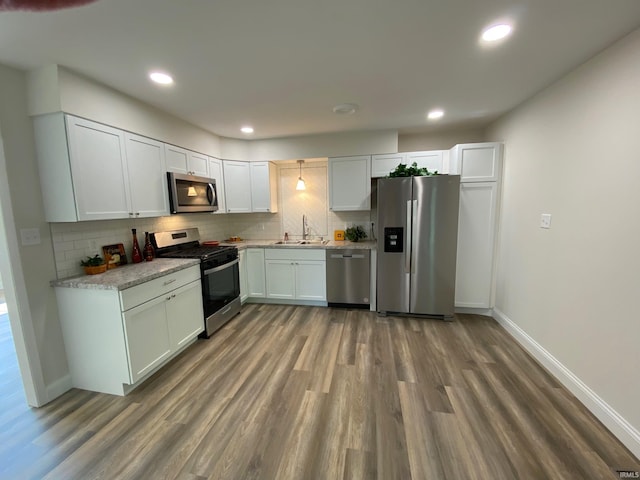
288,392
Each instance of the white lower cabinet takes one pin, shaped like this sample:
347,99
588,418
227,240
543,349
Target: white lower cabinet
255,273
114,339
242,267
476,238
296,274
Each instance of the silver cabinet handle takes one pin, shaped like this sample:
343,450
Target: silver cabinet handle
169,282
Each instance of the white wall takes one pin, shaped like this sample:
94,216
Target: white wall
36,299
440,140
574,151
86,98
326,145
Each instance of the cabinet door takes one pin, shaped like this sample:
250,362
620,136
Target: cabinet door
476,233
280,276
242,267
98,163
431,160
311,281
237,186
177,159
198,164
147,178
185,316
350,183
256,282
215,172
382,165
477,162
147,337
263,191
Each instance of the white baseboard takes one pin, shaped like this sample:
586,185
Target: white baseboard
57,388
623,430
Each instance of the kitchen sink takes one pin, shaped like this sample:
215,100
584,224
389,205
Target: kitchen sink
288,242
314,242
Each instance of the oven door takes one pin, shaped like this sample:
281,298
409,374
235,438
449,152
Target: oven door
220,287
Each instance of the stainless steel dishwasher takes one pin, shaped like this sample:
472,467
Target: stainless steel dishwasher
348,277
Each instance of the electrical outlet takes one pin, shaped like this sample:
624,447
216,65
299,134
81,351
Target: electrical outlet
545,220
30,236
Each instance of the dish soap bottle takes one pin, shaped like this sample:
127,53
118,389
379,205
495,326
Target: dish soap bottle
148,248
135,255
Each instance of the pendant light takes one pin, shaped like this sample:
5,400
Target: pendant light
300,185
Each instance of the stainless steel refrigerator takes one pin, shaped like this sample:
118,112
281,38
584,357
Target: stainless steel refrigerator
417,243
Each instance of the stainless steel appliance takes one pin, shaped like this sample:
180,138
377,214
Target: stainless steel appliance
348,277
417,240
219,270
191,194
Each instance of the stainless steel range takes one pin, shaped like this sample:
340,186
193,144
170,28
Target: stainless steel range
219,271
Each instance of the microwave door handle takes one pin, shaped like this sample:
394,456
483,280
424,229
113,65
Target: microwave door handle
211,194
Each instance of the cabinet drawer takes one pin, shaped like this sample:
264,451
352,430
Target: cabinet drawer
293,254
144,292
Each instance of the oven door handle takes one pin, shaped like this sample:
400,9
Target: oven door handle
221,267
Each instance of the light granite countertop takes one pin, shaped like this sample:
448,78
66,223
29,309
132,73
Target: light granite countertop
331,245
127,276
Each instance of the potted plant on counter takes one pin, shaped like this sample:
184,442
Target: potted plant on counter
94,265
355,234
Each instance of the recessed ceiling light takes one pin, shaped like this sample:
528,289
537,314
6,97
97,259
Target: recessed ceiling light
246,129
435,114
496,32
161,78
345,109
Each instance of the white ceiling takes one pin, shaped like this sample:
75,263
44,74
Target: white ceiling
282,65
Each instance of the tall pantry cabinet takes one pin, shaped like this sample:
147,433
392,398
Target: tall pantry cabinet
480,168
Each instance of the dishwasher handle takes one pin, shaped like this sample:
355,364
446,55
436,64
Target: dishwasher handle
346,255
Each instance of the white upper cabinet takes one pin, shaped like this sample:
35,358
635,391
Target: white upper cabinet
181,160
99,170
215,172
382,165
431,160
89,171
477,162
264,193
147,178
350,183
237,178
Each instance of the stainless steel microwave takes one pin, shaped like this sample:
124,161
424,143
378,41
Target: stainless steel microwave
191,194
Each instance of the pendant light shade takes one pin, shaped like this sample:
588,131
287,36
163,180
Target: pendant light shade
301,185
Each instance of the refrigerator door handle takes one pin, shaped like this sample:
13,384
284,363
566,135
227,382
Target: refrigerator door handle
407,252
414,229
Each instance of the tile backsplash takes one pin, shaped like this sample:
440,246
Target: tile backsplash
74,241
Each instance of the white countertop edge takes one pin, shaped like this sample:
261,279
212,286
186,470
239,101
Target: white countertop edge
127,276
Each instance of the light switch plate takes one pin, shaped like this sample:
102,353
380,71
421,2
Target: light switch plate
30,236
545,220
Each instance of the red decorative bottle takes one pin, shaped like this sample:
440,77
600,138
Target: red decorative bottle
135,255
147,250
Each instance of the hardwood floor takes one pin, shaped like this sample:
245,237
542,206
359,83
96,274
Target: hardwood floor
286,392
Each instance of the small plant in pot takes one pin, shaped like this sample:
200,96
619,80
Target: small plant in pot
94,265
354,234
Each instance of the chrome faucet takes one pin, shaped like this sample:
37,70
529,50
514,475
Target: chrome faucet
305,227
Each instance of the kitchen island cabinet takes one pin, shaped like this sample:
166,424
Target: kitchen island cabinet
115,338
